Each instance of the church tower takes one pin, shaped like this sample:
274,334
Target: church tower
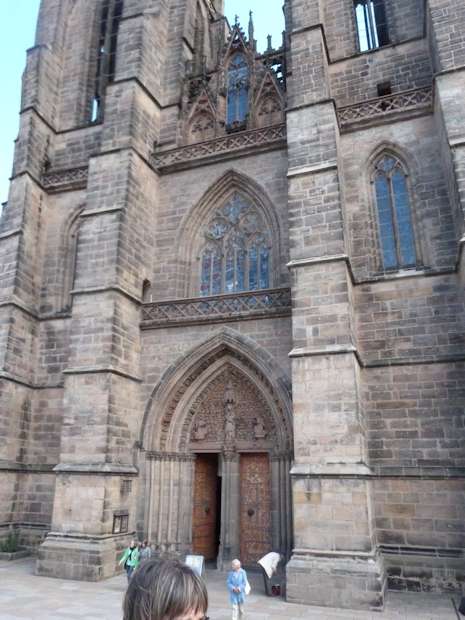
232,310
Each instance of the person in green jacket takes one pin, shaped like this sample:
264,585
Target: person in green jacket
130,558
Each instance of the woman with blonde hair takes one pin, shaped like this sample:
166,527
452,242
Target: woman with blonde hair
165,590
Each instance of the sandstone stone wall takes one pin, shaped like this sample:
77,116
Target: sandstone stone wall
174,274
405,22
375,360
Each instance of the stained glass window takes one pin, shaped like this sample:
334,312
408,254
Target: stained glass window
372,30
395,225
238,90
236,254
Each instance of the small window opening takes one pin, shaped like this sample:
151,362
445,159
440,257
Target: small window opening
120,522
371,21
384,89
94,116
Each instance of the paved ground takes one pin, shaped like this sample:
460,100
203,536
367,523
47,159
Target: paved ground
25,596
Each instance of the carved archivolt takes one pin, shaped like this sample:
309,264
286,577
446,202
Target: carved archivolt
193,406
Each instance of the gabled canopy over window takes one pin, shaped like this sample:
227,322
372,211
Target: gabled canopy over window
238,90
395,224
236,252
371,23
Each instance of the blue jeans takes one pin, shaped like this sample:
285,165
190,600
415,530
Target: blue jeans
129,571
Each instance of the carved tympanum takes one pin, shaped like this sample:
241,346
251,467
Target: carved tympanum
231,412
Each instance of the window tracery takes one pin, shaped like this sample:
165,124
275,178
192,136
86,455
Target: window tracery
236,253
238,91
395,222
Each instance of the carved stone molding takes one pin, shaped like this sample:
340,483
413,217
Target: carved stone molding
373,110
62,180
268,137
227,410
197,371
152,455
220,308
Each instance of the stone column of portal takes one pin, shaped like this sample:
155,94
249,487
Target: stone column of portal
102,403
334,561
281,511
230,510
186,499
446,21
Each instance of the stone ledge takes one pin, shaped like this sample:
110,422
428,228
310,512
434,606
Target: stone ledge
360,470
315,169
90,370
331,469
317,260
26,468
353,580
96,468
335,349
79,557
15,555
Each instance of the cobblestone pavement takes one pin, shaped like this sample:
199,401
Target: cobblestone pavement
25,596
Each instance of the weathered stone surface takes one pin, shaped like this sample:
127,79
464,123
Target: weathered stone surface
363,382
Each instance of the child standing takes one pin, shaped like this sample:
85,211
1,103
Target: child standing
237,582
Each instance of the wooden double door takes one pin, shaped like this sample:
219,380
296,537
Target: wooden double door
253,511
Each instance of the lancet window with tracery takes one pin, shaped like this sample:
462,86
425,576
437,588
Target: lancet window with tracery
395,222
236,253
238,91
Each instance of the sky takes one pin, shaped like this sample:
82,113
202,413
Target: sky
17,29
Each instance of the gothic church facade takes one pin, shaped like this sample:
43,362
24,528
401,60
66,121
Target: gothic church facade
232,293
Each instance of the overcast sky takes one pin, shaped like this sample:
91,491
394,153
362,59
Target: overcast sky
17,27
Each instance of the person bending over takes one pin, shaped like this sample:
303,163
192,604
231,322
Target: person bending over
165,590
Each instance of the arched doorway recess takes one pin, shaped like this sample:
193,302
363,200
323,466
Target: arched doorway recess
218,447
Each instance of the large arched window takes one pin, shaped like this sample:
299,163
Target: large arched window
395,224
238,91
236,253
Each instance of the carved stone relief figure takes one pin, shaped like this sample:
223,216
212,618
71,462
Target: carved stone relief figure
200,431
229,417
231,414
259,428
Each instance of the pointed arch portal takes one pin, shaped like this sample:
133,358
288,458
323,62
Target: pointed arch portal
218,446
